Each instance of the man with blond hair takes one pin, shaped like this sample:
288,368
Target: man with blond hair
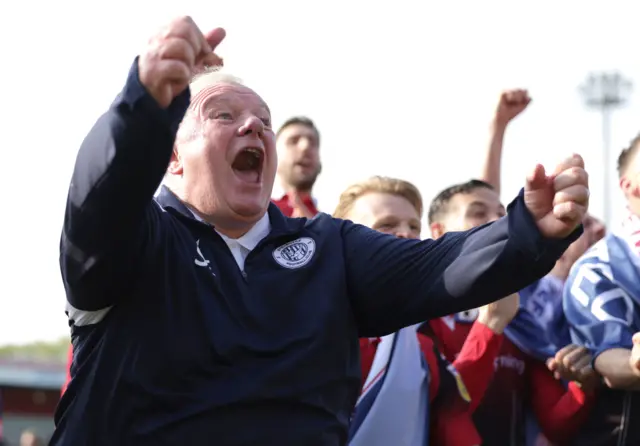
202,315
395,206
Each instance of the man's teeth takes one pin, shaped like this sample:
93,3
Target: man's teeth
256,152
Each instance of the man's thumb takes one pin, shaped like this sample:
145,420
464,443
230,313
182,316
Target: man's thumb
537,179
214,37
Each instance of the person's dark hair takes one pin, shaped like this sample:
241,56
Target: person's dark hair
627,155
439,206
298,120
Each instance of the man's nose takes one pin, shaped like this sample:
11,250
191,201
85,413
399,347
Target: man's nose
251,125
403,231
304,144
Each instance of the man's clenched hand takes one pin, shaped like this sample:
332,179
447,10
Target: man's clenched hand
174,56
510,105
558,202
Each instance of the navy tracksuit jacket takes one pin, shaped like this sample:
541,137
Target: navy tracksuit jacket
174,346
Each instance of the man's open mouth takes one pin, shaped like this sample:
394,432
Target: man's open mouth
305,164
248,164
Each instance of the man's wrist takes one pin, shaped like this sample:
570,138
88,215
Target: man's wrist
493,323
498,125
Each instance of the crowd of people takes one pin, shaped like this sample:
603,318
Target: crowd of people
496,333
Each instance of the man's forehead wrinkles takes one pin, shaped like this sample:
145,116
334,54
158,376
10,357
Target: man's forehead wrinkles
226,94
205,91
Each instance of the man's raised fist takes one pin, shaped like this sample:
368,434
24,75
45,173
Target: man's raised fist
558,202
174,56
511,104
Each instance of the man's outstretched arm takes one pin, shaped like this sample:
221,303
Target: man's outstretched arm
395,283
399,282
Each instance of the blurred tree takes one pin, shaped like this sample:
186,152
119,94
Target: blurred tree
55,351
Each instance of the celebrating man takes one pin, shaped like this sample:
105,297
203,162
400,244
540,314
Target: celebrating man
204,316
298,146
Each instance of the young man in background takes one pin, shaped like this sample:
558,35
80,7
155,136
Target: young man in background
298,146
518,378
395,207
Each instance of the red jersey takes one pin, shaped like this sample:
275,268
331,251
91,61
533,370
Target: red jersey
499,417
286,207
451,423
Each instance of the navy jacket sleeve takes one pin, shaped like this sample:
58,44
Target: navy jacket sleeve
109,217
398,282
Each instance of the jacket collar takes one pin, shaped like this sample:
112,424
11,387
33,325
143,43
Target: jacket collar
280,225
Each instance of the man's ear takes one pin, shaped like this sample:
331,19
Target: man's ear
625,186
437,230
630,186
175,164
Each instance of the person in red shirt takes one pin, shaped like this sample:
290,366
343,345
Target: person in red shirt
395,206
518,379
298,145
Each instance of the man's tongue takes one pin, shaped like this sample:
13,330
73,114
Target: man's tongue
247,167
250,176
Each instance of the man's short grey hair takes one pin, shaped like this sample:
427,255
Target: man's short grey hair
211,76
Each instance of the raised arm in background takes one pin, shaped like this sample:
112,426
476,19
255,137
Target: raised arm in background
510,105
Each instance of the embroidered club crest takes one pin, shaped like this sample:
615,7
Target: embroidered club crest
295,254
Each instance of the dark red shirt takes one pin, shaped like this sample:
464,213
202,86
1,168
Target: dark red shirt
517,380
286,206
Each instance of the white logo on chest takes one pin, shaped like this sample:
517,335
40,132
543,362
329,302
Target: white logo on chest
295,254
200,260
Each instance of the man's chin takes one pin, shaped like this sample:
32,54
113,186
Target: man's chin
249,210
305,185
